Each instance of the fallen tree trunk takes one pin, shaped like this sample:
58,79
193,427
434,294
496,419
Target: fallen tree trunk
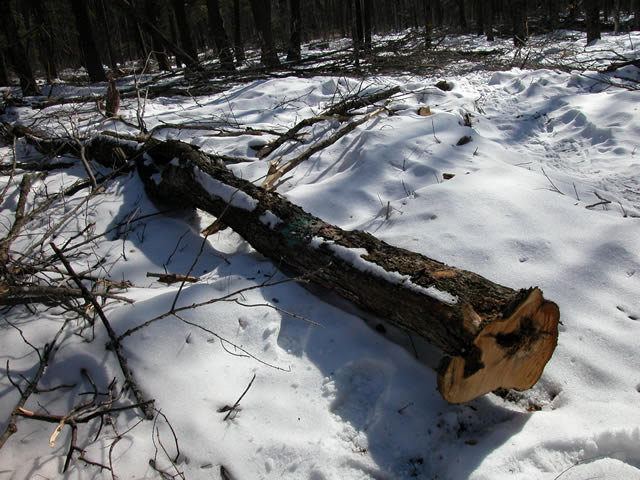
493,336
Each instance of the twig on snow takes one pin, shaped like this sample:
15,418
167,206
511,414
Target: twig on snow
234,408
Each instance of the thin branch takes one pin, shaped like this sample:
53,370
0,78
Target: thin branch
117,347
234,408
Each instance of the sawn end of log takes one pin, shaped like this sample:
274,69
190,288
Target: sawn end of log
510,352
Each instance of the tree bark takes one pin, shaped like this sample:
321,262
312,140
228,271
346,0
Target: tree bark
238,48
4,74
219,35
88,47
148,24
519,22
46,50
262,16
462,17
293,53
184,32
368,10
359,23
492,336
478,12
17,55
428,23
489,20
152,12
592,20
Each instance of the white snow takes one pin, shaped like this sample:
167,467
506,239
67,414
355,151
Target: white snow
341,401
270,219
230,195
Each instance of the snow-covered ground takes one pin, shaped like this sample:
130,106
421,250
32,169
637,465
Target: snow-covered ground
340,400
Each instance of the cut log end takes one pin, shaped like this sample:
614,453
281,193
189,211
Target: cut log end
511,353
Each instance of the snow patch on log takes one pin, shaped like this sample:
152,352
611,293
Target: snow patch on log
232,196
269,219
353,256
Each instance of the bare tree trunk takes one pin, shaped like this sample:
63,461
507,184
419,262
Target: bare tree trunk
462,17
552,13
18,56
149,25
428,23
616,17
592,20
368,10
219,35
489,19
4,73
238,48
262,16
295,28
478,13
45,38
359,24
106,28
88,47
152,12
519,21
184,32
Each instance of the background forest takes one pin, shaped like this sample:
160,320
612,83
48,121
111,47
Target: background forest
47,36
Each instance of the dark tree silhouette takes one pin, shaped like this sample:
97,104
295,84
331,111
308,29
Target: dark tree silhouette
488,17
428,22
368,10
90,53
238,47
592,20
152,12
17,55
184,32
293,53
219,35
519,22
262,17
46,52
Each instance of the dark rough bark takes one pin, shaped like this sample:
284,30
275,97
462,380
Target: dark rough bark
592,19
478,13
428,23
152,12
295,27
46,50
4,74
368,11
148,25
186,42
238,48
90,53
219,35
518,9
494,336
462,17
359,23
552,14
489,20
17,54
262,16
